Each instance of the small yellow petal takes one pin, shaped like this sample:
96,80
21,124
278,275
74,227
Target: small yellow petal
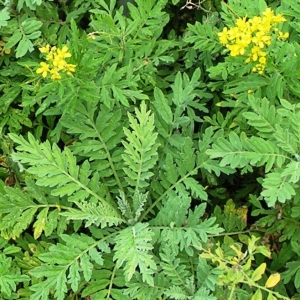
43,69
55,74
45,49
64,49
262,60
71,67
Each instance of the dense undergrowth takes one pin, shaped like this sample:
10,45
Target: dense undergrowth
149,149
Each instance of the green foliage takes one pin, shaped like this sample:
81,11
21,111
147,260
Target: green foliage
10,274
274,148
133,246
67,263
19,209
4,16
161,168
140,149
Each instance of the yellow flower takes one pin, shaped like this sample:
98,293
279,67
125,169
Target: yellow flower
55,74
282,36
45,49
223,36
63,53
246,38
56,62
251,37
257,55
44,69
233,33
279,18
242,24
259,68
265,26
236,49
268,14
71,68
262,60
59,62
261,40
255,23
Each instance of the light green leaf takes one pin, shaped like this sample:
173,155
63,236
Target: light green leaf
100,215
4,16
31,25
40,224
133,250
13,40
34,35
162,106
24,46
196,188
257,295
9,277
140,154
277,188
258,272
176,292
53,167
286,104
271,297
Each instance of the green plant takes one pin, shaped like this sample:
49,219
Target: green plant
160,167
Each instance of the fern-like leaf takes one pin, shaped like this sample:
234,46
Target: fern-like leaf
287,140
125,207
59,170
204,294
174,211
107,282
18,210
243,152
140,148
138,289
67,265
277,188
264,116
174,270
132,248
10,276
133,213
97,214
178,171
207,277
183,229
97,133
177,293
204,38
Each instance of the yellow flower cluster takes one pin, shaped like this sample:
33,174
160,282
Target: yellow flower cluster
251,37
56,62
